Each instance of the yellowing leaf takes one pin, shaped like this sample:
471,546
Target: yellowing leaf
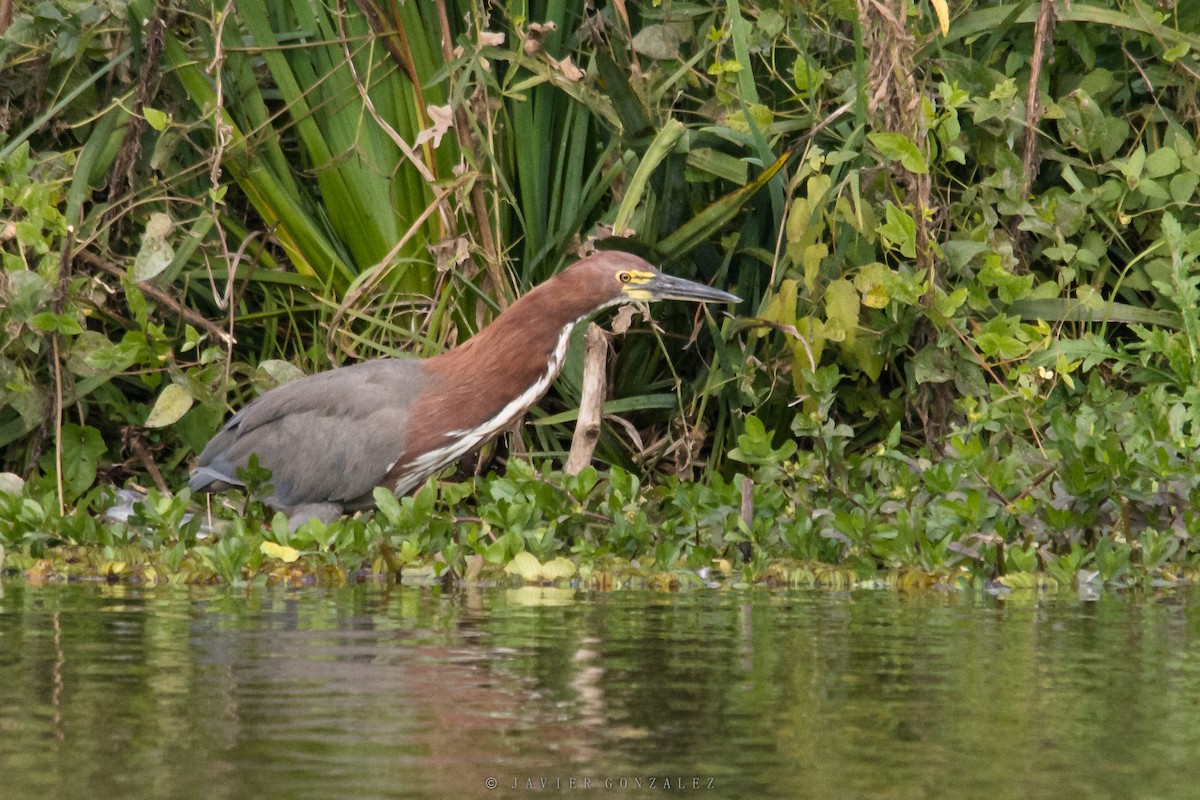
781,307
525,565
759,114
814,254
280,551
872,281
172,404
797,220
1028,581
533,571
806,351
841,312
818,186
557,569
943,15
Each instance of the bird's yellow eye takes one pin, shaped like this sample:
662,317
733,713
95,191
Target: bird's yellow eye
624,277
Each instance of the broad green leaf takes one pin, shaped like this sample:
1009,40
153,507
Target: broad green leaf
56,323
898,147
797,220
771,23
1153,190
1177,52
807,350
807,75
755,445
172,404
864,352
388,505
1162,162
933,365
496,551
82,447
99,356
969,380
1183,186
948,304
155,118
1113,136
900,232
27,292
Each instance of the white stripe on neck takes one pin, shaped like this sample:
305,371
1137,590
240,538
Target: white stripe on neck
462,442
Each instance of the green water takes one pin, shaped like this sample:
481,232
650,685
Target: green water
408,692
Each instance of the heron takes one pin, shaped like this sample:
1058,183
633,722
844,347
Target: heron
331,438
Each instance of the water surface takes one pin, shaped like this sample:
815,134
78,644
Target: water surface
373,692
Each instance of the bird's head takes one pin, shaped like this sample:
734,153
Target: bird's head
615,277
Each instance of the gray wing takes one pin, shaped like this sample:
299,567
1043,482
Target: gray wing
329,437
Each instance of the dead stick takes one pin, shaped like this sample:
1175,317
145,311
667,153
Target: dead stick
143,454
1043,32
747,514
159,296
591,404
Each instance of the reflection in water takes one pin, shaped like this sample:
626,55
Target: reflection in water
409,692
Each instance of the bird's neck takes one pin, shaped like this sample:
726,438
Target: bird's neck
527,339
506,367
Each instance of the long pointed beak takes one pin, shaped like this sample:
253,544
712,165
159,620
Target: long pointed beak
668,287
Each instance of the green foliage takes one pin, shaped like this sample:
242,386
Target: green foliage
951,357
